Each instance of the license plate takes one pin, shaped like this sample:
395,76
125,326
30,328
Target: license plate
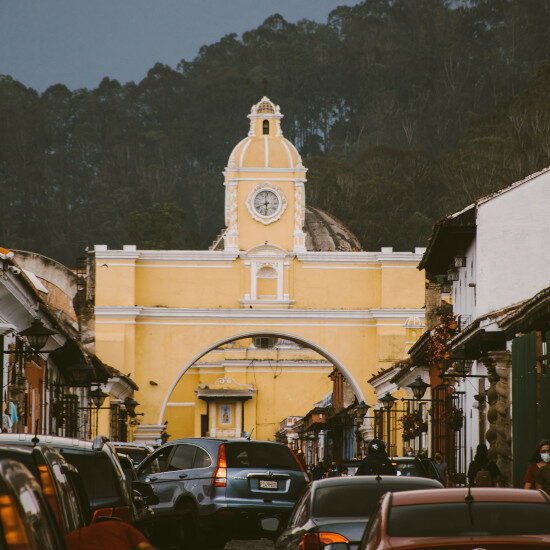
265,484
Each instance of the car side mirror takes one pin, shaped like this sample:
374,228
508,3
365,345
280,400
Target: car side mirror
336,546
271,525
146,492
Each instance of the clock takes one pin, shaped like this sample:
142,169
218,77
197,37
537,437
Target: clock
266,203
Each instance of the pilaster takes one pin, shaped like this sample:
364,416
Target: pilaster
499,434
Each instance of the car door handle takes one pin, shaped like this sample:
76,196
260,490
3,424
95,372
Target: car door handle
152,478
182,476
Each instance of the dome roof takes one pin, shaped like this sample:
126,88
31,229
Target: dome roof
325,233
265,150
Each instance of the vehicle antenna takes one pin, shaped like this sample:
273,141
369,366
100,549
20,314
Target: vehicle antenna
35,440
250,434
469,499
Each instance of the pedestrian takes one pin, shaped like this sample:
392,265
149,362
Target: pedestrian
442,467
542,479
317,472
377,461
107,535
483,472
333,470
409,451
539,458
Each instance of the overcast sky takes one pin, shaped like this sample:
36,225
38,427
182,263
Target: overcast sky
78,42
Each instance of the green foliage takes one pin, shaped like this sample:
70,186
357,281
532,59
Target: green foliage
159,227
403,110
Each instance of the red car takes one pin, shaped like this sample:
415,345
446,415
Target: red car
459,519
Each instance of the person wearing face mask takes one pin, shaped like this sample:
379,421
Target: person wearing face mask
542,479
537,462
409,451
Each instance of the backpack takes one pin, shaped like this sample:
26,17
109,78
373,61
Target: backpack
483,478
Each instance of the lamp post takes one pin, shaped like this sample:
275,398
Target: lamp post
387,402
98,398
36,335
418,388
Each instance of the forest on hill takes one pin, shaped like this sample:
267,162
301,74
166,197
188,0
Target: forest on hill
403,110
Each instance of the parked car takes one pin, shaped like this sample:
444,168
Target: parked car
138,452
101,471
223,486
57,480
26,521
336,510
415,466
461,518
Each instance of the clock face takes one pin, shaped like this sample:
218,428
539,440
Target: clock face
266,203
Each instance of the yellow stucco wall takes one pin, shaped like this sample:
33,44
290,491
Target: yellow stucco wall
157,310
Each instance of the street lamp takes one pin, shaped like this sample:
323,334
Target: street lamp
130,403
37,335
387,401
98,397
418,388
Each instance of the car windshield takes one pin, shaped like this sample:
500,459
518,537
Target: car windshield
355,500
97,472
260,455
408,468
458,519
136,455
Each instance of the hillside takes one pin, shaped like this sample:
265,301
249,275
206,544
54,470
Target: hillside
402,109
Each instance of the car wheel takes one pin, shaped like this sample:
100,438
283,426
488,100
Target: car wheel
186,527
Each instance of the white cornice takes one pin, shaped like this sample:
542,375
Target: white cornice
167,255
374,258
244,314
360,257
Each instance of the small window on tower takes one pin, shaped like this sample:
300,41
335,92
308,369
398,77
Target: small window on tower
266,127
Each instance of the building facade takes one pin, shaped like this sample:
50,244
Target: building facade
280,269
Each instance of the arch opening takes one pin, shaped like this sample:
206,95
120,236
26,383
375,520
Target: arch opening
266,334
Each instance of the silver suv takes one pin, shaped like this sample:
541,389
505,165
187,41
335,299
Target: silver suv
222,486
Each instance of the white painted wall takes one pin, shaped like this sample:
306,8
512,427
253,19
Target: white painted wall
513,245
464,295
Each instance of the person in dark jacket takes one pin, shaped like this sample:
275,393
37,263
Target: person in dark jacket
482,471
377,461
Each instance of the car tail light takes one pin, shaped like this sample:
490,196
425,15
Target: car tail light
121,512
14,530
50,492
219,479
317,541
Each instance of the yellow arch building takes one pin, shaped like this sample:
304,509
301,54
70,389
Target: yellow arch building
278,269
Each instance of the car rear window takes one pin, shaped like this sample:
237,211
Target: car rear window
260,455
458,519
97,472
355,500
409,469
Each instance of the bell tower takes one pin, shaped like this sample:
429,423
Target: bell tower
265,186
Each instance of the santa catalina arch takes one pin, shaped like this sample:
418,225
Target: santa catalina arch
282,271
